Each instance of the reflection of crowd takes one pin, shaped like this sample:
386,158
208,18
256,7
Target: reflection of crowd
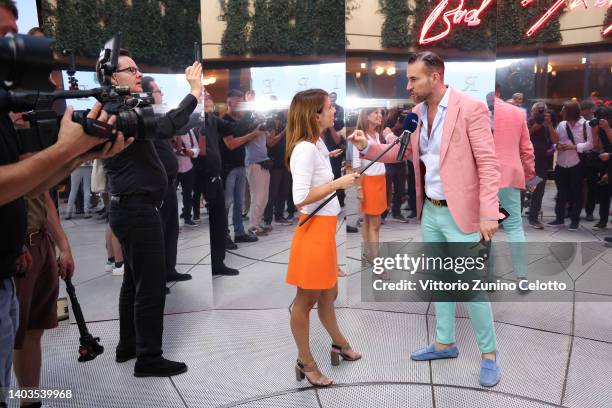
575,140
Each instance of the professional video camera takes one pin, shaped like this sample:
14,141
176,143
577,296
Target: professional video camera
265,120
26,62
602,112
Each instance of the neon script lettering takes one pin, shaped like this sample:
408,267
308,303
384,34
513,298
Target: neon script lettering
471,18
452,17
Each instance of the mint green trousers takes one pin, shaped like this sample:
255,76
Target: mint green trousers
437,225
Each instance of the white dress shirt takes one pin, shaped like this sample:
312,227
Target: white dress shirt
569,158
430,148
377,168
310,167
190,142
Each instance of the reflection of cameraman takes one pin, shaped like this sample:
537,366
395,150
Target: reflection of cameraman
540,129
599,182
28,178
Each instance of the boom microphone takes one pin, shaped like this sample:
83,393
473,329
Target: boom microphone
410,124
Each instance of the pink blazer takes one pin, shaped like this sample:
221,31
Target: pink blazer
512,145
469,168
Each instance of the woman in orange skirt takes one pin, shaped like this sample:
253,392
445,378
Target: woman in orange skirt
313,264
373,190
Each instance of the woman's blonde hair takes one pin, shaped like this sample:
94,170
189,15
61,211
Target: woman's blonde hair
362,121
302,119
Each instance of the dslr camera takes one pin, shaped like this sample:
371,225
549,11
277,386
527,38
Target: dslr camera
25,65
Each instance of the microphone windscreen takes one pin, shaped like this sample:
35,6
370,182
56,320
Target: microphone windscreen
411,122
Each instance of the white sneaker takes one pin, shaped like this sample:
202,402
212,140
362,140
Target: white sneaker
109,266
118,271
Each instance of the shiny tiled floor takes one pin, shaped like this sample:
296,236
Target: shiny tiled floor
233,332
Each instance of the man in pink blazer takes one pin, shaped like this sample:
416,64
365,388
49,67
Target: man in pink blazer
515,154
456,188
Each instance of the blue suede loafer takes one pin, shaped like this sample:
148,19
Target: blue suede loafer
430,353
490,372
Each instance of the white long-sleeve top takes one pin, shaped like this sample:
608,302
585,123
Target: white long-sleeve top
377,168
191,143
584,142
310,167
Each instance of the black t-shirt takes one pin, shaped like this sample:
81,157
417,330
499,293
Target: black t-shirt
235,158
277,152
540,139
138,169
214,129
12,215
165,151
339,118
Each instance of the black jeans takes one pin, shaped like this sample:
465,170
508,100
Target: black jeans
536,200
396,186
170,225
569,189
278,194
217,217
198,192
187,180
138,227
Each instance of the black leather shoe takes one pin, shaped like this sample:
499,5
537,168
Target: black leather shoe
608,239
229,244
224,270
245,238
159,368
177,277
122,356
351,229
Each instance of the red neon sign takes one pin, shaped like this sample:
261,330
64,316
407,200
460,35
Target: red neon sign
557,6
458,14
471,17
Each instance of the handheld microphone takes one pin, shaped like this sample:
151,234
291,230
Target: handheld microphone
410,124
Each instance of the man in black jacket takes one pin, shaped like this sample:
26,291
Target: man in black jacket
208,175
169,208
138,184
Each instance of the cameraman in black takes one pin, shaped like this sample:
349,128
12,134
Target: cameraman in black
540,128
138,183
21,178
599,162
169,207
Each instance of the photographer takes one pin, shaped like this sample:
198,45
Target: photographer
208,170
599,160
20,178
138,183
540,129
234,172
573,136
169,208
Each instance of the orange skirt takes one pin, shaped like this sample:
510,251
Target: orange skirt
313,262
374,194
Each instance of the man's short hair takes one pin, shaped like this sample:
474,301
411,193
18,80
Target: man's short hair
233,93
146,83
431,60
584,105
517,94
10,6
